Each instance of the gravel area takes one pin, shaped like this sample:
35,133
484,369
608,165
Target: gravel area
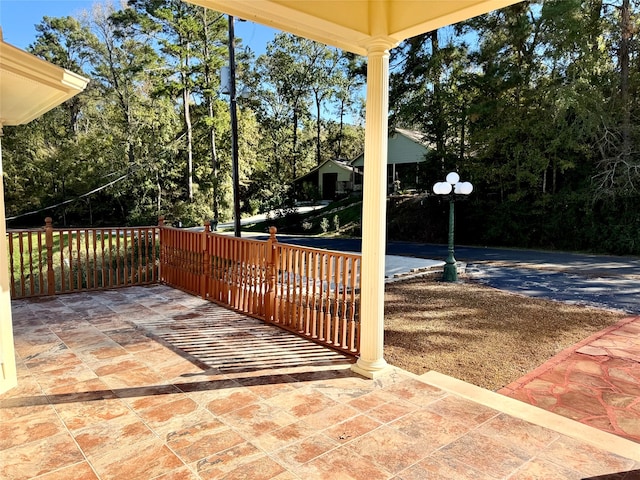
478,334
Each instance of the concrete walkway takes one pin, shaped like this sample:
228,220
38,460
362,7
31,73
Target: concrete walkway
400,268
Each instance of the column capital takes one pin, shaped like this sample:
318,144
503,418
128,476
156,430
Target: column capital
380,45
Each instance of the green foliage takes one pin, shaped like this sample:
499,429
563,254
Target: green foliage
537,104
534,105
150,136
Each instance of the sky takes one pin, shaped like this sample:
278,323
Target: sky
19,17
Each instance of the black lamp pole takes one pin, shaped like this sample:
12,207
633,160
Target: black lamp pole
234,130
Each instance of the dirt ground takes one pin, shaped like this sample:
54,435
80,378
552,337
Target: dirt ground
478,334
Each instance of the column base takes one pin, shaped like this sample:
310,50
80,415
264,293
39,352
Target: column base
371,370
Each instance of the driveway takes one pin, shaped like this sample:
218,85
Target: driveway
611,292
602,281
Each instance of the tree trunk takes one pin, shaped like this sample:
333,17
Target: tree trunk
318,105
439,122
159,198
341,130
463,133
209,102
626,29
187,121
186,94
295,143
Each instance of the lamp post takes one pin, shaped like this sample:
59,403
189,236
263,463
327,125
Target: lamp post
452,186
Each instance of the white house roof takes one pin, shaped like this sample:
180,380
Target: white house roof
30,86
404,146
413,135
338,163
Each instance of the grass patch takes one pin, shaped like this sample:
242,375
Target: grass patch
342,217
80,260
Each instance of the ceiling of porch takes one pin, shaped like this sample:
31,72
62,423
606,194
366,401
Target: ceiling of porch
352,25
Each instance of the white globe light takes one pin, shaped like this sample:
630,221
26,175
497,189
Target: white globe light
445,188
457,188
436,188
466,188
453,178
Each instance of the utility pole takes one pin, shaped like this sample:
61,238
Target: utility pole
234,129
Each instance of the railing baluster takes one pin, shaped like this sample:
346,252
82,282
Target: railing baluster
93,256
314,297
62,274
335,318
79,259
309,291
125,256
354,345
41,264
11,266
343,312
103,267
21,253
32,284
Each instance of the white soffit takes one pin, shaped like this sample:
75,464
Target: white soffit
30,86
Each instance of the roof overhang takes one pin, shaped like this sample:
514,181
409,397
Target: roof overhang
353,24
30,86
315,170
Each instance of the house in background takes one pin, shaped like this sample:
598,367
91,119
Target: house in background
330,180
406,150
337,178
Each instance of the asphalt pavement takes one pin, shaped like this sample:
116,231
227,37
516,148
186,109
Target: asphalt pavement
601,281
611,292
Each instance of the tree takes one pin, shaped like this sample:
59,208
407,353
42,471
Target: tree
347,82
174,26
619,165
211,30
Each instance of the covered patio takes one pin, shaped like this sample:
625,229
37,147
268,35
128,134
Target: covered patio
150,382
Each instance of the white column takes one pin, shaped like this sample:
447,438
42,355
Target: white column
8,376
371,363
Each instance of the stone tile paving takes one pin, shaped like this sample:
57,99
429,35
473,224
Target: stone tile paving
151,383
595,382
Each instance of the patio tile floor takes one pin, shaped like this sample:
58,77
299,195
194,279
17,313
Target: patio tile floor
152,383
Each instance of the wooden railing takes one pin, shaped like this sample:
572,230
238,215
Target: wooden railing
317,295
226,270
312,292
49,261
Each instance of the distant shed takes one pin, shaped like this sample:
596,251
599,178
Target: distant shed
332,179
406,150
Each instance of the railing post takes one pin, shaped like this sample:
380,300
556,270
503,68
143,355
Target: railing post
162,253
272,265
51,277
206,260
